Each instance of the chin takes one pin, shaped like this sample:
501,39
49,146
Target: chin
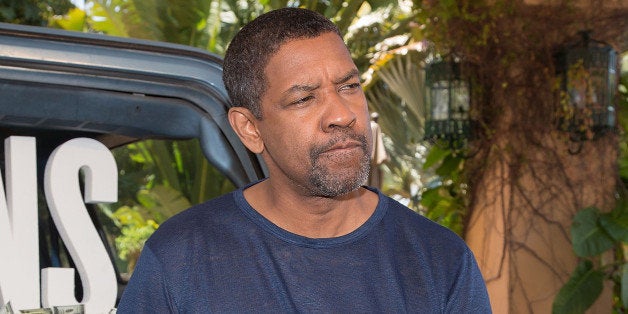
337,185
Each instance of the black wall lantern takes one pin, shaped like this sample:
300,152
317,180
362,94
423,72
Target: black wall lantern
587,70
448,102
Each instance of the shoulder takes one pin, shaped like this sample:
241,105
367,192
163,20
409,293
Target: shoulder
441,254
432,253
194,223
422,232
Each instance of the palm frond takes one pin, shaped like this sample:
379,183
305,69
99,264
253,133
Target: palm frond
405,77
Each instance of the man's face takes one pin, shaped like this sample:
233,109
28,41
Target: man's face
315,122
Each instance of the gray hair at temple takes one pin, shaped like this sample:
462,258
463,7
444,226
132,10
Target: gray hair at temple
251,49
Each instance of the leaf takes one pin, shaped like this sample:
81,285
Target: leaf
128,216
406,79
74,20
430,197
163,202
450,165
104,18
588,237
580,291
349,11
435,155
441,209
615,223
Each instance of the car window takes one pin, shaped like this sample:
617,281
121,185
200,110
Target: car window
157,179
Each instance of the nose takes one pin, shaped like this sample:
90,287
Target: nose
339,114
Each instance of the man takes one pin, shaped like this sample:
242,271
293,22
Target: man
309,238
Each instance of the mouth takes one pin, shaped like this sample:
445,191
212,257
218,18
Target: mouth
344,146
341,145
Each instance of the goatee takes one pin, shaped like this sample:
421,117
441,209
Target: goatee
329,183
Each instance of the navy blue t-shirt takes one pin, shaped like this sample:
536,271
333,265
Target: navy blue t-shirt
222,256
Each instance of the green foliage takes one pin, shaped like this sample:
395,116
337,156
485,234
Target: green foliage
622,117
162,202
393,91
177,165
615,224
210,24
158,179
32,12
454,25
444,200
593,235
588,236
135,230
581,291
373,28
74,20
139,221
132,240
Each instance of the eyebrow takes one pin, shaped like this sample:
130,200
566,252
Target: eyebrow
350,75
353,73
301,88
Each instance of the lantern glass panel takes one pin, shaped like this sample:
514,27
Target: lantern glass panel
460,100
439,93
598,88
578,87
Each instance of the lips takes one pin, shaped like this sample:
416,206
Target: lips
338,145
344,146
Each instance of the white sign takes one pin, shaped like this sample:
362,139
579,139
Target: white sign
19,239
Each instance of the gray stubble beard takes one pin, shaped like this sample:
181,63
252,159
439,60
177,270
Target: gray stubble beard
328,184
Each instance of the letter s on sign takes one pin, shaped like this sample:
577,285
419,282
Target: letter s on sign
71,218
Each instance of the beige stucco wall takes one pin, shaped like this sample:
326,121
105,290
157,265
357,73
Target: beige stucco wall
519,230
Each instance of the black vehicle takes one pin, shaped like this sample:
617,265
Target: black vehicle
58,85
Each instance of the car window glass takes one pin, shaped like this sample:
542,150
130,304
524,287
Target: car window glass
157,179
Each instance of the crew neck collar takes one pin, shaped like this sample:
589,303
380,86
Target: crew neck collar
296,239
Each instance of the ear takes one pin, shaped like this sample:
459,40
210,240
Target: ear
244,124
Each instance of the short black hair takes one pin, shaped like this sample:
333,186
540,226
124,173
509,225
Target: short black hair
252,47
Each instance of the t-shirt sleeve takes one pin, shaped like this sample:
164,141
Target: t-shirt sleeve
468,295
147,291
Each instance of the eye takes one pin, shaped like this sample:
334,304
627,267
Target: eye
351,86
302,101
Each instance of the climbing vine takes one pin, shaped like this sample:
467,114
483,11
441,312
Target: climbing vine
521,170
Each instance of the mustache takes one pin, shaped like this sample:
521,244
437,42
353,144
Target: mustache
347,135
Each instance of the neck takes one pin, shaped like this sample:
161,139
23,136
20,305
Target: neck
312,216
